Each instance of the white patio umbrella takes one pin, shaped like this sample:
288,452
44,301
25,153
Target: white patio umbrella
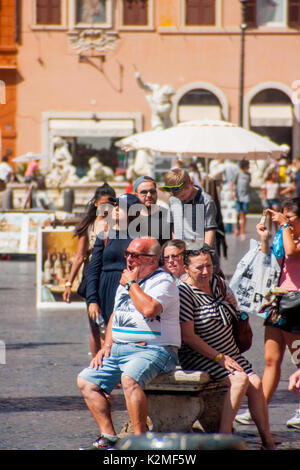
207,139
28,157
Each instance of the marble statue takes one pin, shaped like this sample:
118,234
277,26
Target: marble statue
159,99
97,172
62,172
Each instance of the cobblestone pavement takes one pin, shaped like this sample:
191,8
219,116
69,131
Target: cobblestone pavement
40,405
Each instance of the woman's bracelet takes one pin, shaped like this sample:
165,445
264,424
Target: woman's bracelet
68,284
218,357
284,226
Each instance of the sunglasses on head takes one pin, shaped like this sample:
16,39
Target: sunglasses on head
204,249
135,255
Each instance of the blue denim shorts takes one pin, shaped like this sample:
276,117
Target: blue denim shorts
141,363
242,206
269,203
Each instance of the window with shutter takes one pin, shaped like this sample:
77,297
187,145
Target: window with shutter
294,13
135,12
200,12
48,12
251,13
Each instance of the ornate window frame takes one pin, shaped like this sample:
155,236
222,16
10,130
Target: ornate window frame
148,27
105,25
62,26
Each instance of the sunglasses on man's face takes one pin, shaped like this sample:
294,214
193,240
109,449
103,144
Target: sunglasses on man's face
146,191
173,189
135,255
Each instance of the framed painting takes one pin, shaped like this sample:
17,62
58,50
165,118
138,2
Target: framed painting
91,13
19,230
56,250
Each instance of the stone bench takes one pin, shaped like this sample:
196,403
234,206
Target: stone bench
182,401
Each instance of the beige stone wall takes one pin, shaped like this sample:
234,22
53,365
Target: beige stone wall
54,79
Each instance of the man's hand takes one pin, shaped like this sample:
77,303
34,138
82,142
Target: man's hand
94,312
294,382
103,352
128,275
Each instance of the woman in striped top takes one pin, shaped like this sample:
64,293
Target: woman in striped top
209,345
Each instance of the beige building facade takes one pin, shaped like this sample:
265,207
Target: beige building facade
77,63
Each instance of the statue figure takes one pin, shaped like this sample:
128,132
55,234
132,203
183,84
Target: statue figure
62,172
160,102
97,172
159,99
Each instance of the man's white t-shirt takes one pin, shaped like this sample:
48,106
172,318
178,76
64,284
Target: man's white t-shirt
130,326
5,171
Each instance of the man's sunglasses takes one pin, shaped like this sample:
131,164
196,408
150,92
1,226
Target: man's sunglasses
173,189
146,191
135,255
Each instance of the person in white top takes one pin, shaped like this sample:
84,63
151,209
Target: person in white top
6,172
142,340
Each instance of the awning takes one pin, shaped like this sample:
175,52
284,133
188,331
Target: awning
198,113
92,127
271,115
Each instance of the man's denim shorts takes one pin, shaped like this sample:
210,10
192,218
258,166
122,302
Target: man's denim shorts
242,206
141,363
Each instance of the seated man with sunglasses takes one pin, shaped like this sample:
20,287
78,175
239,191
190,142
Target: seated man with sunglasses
142,339
154,220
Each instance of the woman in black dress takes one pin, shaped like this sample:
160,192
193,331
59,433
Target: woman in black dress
206,310
108,261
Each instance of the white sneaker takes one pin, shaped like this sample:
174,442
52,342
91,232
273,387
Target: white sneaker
244,418
294,422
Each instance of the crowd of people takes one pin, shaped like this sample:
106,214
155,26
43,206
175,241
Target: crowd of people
156,297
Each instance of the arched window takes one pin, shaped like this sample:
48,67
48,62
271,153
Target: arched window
199,104
271,114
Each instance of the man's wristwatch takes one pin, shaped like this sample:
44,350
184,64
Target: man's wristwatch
129,284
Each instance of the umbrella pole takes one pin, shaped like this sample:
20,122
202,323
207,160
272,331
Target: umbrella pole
206,175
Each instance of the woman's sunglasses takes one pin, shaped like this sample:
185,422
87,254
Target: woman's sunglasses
173,257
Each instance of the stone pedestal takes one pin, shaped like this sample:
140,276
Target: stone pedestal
180,398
